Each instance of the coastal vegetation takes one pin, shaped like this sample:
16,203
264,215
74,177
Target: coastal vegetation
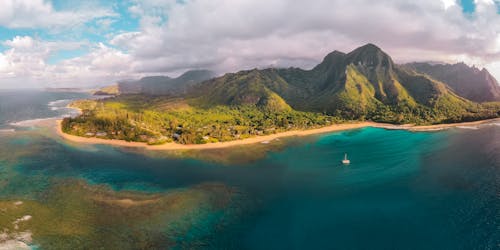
108,90
470,82
362,85
159,120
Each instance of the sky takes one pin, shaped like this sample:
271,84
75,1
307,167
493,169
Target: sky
73,43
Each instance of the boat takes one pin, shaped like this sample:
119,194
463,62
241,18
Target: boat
346,161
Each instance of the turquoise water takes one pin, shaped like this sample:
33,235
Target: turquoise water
403,190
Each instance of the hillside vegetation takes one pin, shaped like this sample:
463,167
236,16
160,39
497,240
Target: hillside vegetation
470,82
159,120
108,90
364,84
164,85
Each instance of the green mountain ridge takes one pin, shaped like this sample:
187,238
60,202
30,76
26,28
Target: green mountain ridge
364,84
164,85
243,88
470,82
357,85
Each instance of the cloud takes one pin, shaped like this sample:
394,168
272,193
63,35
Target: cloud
448,3
103,65
24,64
41,14
228,35
24,42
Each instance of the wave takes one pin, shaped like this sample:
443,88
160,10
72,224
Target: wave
14,244
54,105
58,104
10,130
430,129
491,124
494,123
31,122
469,127
38,121
21,240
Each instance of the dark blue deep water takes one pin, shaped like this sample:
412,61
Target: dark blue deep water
403,190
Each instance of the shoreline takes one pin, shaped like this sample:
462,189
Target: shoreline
435,127
262,139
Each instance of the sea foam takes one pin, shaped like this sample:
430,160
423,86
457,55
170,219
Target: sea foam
30,123
468,127
58,104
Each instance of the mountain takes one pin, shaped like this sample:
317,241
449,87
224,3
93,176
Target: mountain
243,88
164,85
470,82
108,90
362,84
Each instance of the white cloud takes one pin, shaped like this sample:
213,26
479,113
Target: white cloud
21,42
228,35
101,66
488,2
449,3
41,14
25,64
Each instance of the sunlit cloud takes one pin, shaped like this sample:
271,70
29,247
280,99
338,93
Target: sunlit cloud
41,14
227,35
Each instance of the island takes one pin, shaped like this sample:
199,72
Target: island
361,88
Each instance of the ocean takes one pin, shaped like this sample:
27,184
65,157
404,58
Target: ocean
402,190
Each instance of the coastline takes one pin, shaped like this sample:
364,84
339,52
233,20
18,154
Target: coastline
264,138
216,145
450,125
435,127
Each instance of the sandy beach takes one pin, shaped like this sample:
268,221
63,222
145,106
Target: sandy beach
177,146
451,125
262,139
436,127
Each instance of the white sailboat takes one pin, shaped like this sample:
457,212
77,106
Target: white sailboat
346,161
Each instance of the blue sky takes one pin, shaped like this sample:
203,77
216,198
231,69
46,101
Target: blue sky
93,31
468,6
96,42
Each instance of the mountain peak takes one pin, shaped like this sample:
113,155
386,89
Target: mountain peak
334,59
335,53
369,46
369,55
470,82
368,49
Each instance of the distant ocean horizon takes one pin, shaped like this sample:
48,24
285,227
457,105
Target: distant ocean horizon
402,190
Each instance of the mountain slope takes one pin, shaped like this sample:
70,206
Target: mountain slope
469,82
164,85
364,83
107,90
243,88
